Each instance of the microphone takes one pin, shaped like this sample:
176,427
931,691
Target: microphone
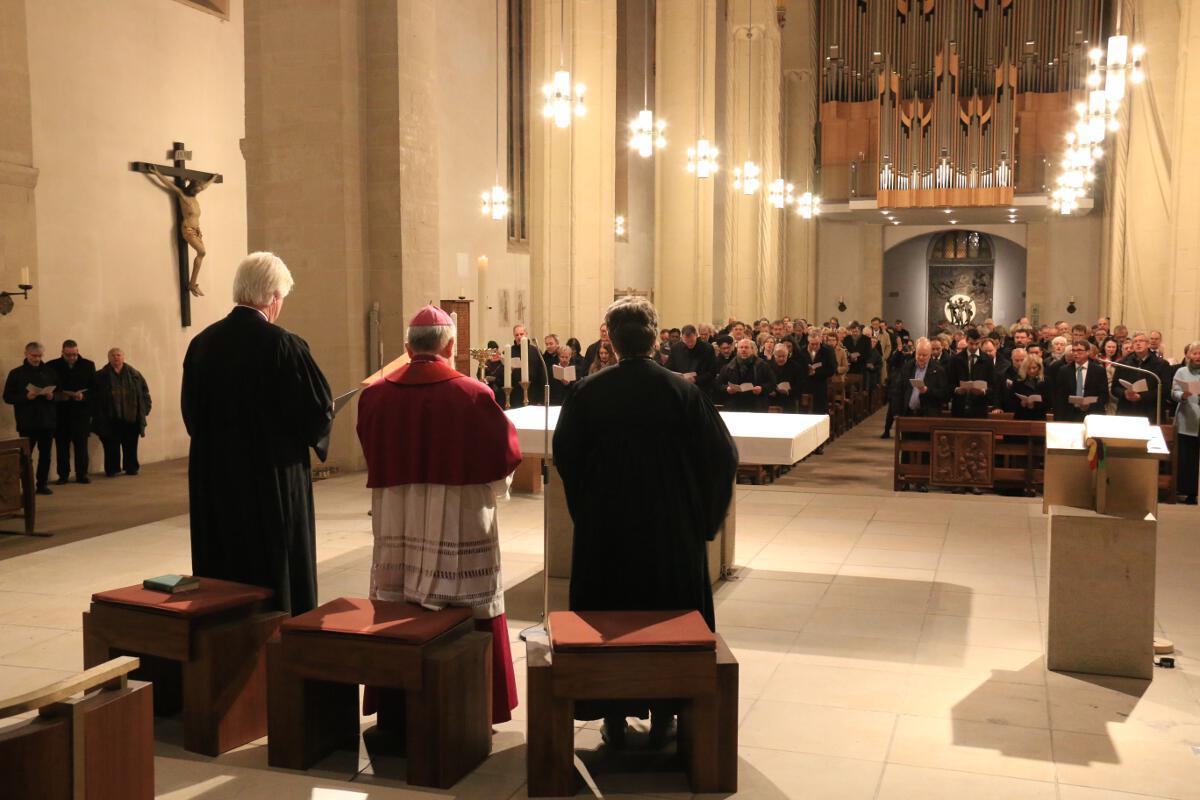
1144,371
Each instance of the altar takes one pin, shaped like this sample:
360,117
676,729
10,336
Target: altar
761,439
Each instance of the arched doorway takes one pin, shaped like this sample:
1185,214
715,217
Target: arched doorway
961,267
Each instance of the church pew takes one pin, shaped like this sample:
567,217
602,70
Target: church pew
17,497
1016,449
93,737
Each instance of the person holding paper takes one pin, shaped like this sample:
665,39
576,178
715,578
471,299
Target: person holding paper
439,452
858,348
787,378
1135,392
921,386
746,383
816,364
76,376
29,389
973,377
1027,397
566,369
254,403
520,352
693,359
1185,391
1075,382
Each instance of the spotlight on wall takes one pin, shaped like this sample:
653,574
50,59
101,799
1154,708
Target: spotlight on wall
1071,305
841,304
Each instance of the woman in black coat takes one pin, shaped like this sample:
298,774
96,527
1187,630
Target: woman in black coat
1029,384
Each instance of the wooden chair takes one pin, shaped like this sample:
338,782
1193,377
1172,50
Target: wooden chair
93,738
203,650
437,662
636,655
17,495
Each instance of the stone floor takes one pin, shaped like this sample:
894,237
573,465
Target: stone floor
890,646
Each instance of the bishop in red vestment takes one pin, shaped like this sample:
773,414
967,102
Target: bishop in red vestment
439,451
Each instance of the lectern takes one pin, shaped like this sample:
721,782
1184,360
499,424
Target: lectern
1102,497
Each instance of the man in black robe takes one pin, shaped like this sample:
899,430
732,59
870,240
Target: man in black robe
620,431
76,376
693,359
254,402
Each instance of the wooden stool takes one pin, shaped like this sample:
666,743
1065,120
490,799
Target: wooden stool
203,650
98,745
636,655
436,658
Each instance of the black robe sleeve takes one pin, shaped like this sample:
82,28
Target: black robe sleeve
305,399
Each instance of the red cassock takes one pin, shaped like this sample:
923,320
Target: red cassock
435,439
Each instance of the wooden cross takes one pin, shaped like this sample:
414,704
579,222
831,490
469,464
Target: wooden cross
181,174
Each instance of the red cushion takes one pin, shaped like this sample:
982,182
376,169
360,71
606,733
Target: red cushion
359,616
630,630
212,597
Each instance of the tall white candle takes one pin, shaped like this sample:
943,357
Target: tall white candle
454,326
525,358
481,311
506,355
24,276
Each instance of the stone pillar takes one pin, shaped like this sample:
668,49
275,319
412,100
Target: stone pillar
1182,323
341,164
18,177
799,54
686,99
752,81
572,170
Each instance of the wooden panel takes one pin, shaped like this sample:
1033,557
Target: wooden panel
138,631
549,767
604,676
11,497
35,758
119,743
462,348
961,458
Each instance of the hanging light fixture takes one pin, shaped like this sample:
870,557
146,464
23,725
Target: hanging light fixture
646,134
808,205
746,177
561,101
619,227
702,158
781,193
495,201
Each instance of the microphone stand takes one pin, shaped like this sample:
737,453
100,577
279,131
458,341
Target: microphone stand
1157,385
546,456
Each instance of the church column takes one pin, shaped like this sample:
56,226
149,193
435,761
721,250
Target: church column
1182,324
18,177
685,91
572,170
752,268
799,54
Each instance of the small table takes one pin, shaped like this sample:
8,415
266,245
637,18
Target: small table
436,658
635,655
203,650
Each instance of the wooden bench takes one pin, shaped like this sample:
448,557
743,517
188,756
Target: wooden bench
203,650
631,655
17,497
995,452
437,662
93,738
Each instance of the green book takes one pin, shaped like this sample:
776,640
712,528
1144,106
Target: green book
172,584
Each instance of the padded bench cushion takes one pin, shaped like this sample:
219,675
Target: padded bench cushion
629,630
213,596
359,616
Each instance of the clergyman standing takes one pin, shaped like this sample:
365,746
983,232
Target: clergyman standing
254,402
619,432
29,389
76,376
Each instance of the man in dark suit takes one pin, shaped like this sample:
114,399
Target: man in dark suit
971,365
817,363
1129,402
927,401
858,348
76,376
693,359
1078,377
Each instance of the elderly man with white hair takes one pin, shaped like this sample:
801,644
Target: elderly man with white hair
254,402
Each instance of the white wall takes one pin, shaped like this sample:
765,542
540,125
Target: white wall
466,125
844,256
111,83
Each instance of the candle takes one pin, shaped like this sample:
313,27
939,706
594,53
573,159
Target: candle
481,312
454,325
525,358
25,276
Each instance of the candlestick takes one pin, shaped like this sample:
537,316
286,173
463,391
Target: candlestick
525,358
524,393
507,395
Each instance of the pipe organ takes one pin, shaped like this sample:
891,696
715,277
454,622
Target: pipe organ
948,102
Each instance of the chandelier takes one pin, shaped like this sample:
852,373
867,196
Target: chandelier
646,134
619,227
1097,116
561,100
702,159
746,177
808,205
495,201
780,193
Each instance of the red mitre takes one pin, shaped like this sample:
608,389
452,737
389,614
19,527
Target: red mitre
430,315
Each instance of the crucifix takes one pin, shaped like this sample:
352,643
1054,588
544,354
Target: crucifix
186,185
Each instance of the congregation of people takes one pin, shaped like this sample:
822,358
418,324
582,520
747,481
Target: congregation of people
1057,372
59,404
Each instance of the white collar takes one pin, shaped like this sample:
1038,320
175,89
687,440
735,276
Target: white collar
259,311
